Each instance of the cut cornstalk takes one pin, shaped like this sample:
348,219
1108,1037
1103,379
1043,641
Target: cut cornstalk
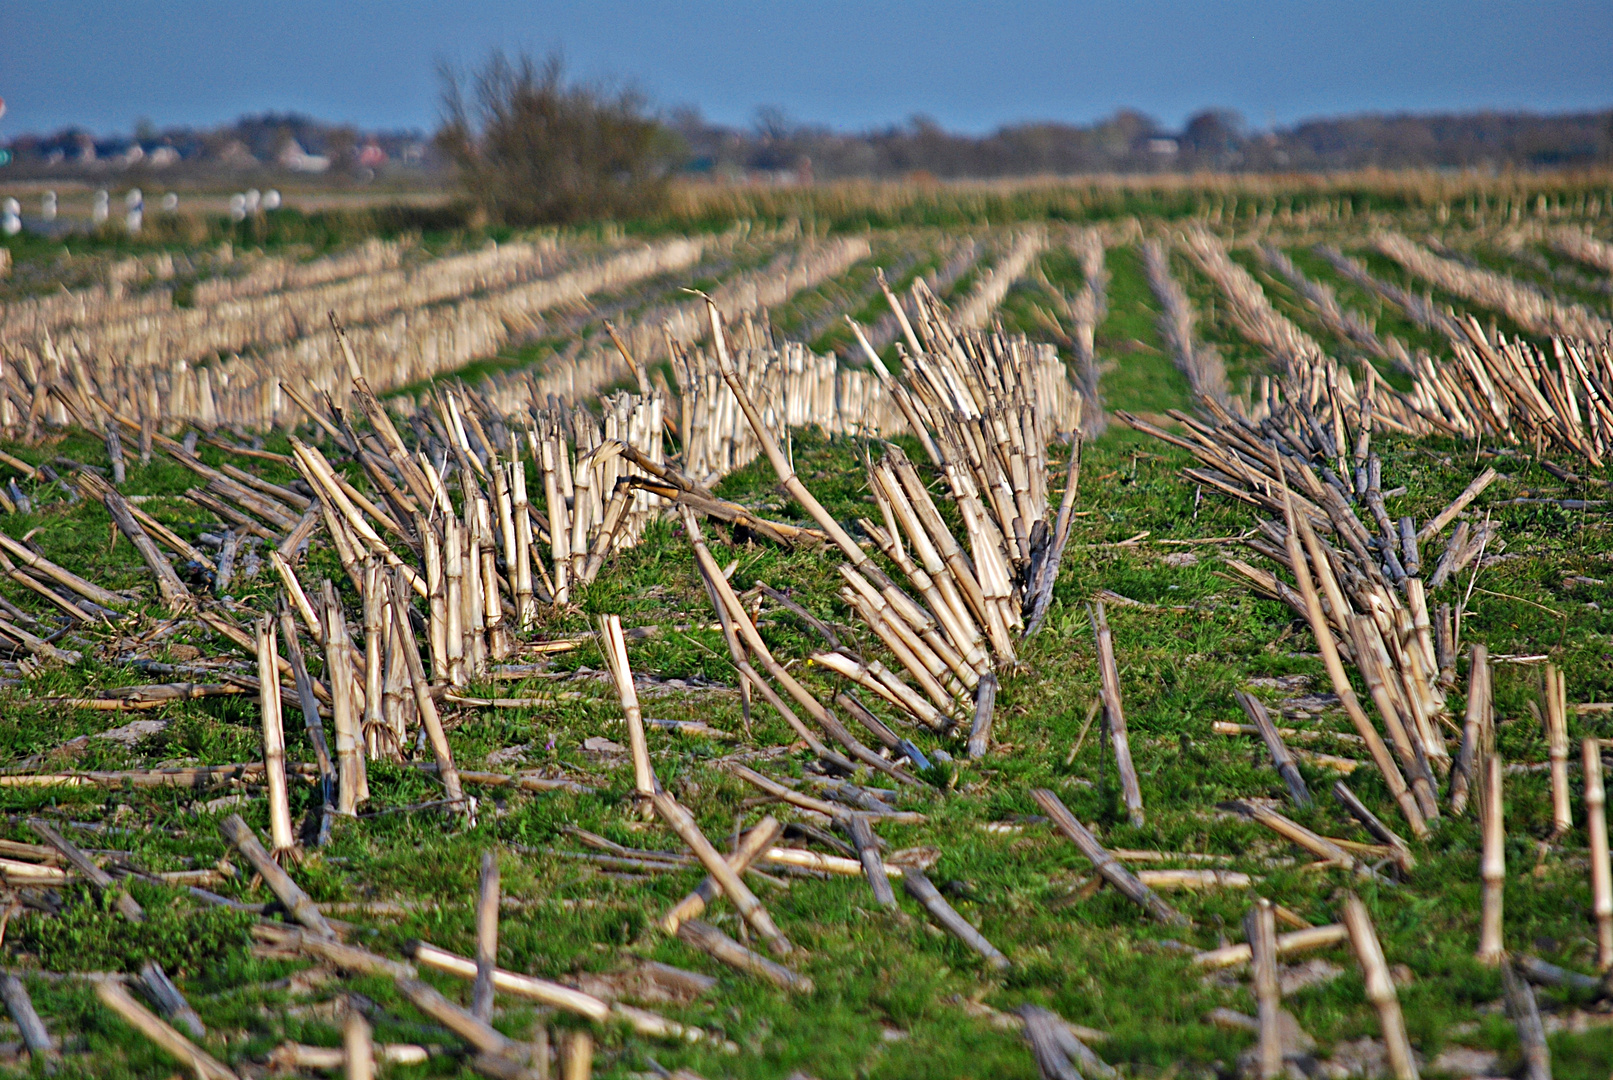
1280,756
752,846
1315,937
924,891
1557,748
1380,987
175,596
862,838
1525,1014
358,1048
1114,716
746,629
99,879
1493,868
423,699
682,822
21,1007
577,1056
299,598
1106,864
170,1000
282,841
712,941
1474,726
1260,927
486,938
614,646
115,997
1320,846
352,785
980,730
297,902
481,1036
1341,681
529,987
1438,522
1601,874
1374,825
92,592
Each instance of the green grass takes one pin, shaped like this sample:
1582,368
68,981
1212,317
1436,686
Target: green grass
1566,291
1096,961
1387,269
1141,377
1387,318
890,992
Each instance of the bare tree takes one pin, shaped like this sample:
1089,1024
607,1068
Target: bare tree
532,147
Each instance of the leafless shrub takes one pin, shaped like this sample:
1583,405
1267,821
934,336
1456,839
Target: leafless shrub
532,147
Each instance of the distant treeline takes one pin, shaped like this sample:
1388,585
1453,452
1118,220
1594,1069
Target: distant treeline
1130,142
776,148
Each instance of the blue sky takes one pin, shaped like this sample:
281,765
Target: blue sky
972,67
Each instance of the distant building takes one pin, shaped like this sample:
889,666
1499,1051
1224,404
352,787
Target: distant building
295,158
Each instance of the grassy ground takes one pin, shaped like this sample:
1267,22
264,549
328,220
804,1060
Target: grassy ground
1141,376
1387,319
889,993
894,998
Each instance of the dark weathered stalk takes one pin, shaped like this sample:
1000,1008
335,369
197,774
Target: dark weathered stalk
1114,716
486,939
1284,761
1260,927
23,1014
980,730
1520,998
297,902
714,942
924,891
169,1000
99,879
862,837
1106,864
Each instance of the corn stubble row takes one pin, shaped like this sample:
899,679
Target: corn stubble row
148,366
1583,247
1199,363
984,407
1084,312
1529,308
976,309
230,324
584,368
1305,371
407,324
665,328
1504,390
270,274
1346,325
